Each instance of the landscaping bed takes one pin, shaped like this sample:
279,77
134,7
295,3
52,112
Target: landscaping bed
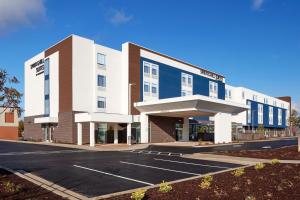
277,181
14,187
286,153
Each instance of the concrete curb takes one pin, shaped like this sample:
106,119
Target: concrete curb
85,147
234,159
52,187
171,182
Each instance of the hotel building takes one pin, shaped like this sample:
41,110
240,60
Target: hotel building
80,92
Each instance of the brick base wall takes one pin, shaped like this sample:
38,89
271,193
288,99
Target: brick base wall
163,128
32,131
9,132
66,131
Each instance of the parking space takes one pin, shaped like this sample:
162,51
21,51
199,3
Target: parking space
98,173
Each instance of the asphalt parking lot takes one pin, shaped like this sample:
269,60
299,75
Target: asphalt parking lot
261,145
97,173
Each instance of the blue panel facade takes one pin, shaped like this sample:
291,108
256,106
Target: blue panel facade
170,82
254,111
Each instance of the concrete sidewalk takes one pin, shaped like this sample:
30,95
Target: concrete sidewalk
98,147
232,159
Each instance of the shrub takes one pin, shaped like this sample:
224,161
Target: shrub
11,187
206,182
250,198
238,172
275,161
165,187
259,166
138,195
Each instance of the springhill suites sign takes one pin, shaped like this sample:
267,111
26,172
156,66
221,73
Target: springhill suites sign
39,67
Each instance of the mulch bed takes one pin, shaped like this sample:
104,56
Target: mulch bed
279,181
13,187
286,153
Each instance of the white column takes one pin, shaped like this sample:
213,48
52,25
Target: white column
50,134
79,133
116,134
185,130
92,134
144,128
129,133
223,129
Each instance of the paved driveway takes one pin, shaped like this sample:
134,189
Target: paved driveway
234,147
97,173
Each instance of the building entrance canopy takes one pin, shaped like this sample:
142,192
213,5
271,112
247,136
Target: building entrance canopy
190,106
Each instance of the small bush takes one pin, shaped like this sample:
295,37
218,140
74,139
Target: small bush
238,172
206,182
259,166
250,198
11,187
165,187
275,161
138,195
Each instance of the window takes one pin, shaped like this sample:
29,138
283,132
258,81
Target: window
229,93
154,89
101,81
271,121
254,98
47,87
274,103
226,93
183,93
189,80
146,88
249,112
213,89
243,95
101,103
260,113
279,117
154,71
101,59
266,100
146,69
183,80
9,117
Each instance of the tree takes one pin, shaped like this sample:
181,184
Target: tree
295,118
21,127
10,97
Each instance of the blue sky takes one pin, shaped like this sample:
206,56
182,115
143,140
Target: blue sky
254,43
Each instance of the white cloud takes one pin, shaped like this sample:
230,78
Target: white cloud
257,4
16,13
119,17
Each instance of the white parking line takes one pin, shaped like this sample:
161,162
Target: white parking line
165,169
114,175
188,163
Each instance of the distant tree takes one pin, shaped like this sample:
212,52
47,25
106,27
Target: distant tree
21,127
295,118
10,97
261,129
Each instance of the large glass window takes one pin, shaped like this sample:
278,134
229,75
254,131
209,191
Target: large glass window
249,112
101,59
279,117
101,81
213,89
260,114
101,103
271,121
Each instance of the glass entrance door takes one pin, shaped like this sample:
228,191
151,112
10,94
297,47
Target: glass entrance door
178,131
101,134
